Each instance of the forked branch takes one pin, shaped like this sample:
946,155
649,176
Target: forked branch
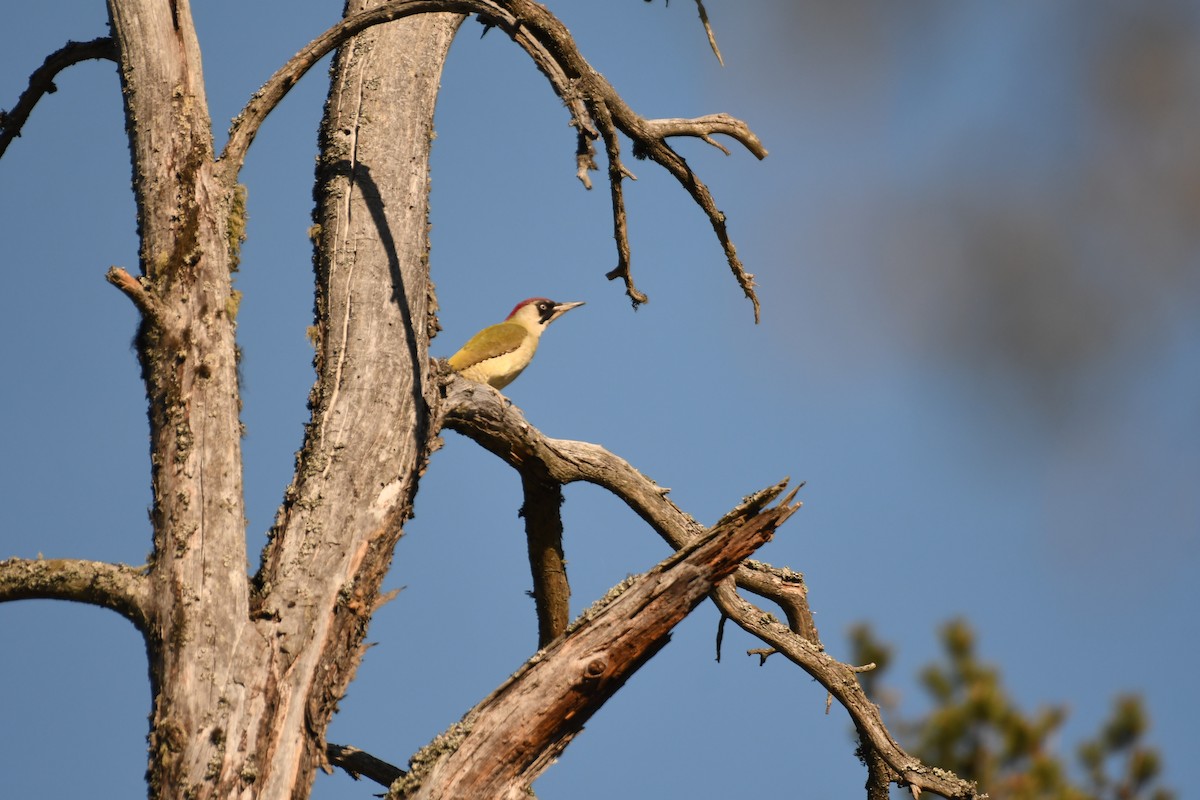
553,49
597,111
497,425
41,82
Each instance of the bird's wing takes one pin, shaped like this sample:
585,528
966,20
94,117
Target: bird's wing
489,343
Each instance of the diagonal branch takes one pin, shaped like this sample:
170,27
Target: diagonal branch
511,737
712,38
41,82
119,587
708,31
841,681
495,423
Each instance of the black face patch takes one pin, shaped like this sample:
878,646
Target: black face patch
546,310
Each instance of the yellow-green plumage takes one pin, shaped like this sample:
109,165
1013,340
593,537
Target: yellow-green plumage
499,353
496,355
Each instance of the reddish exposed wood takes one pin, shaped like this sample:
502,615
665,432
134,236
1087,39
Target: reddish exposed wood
510,738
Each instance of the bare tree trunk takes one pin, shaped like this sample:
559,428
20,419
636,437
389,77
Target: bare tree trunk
245,683
188,357
369,437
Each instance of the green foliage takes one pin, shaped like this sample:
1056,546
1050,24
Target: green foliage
975,729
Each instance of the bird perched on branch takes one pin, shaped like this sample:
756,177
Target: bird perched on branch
498,353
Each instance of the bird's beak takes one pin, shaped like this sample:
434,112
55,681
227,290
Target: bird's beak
562,308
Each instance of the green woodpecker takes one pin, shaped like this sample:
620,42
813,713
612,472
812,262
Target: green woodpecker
498,353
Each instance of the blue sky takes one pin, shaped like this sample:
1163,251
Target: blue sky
947,214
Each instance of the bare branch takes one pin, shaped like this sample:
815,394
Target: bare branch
704,128
553,49
119,587
840,681
511,737
494,422
597,111
41,82
708,31
542,511
616,175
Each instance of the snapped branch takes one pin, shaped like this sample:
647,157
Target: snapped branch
712,38
485,416
132,288
41,82
512,736
360,764
119,587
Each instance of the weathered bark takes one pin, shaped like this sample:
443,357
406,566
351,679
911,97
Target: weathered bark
198,611
243,690
369,436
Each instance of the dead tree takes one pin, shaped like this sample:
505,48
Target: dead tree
246,670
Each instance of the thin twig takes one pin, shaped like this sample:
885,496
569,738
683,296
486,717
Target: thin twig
712,39
616,175
720,635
